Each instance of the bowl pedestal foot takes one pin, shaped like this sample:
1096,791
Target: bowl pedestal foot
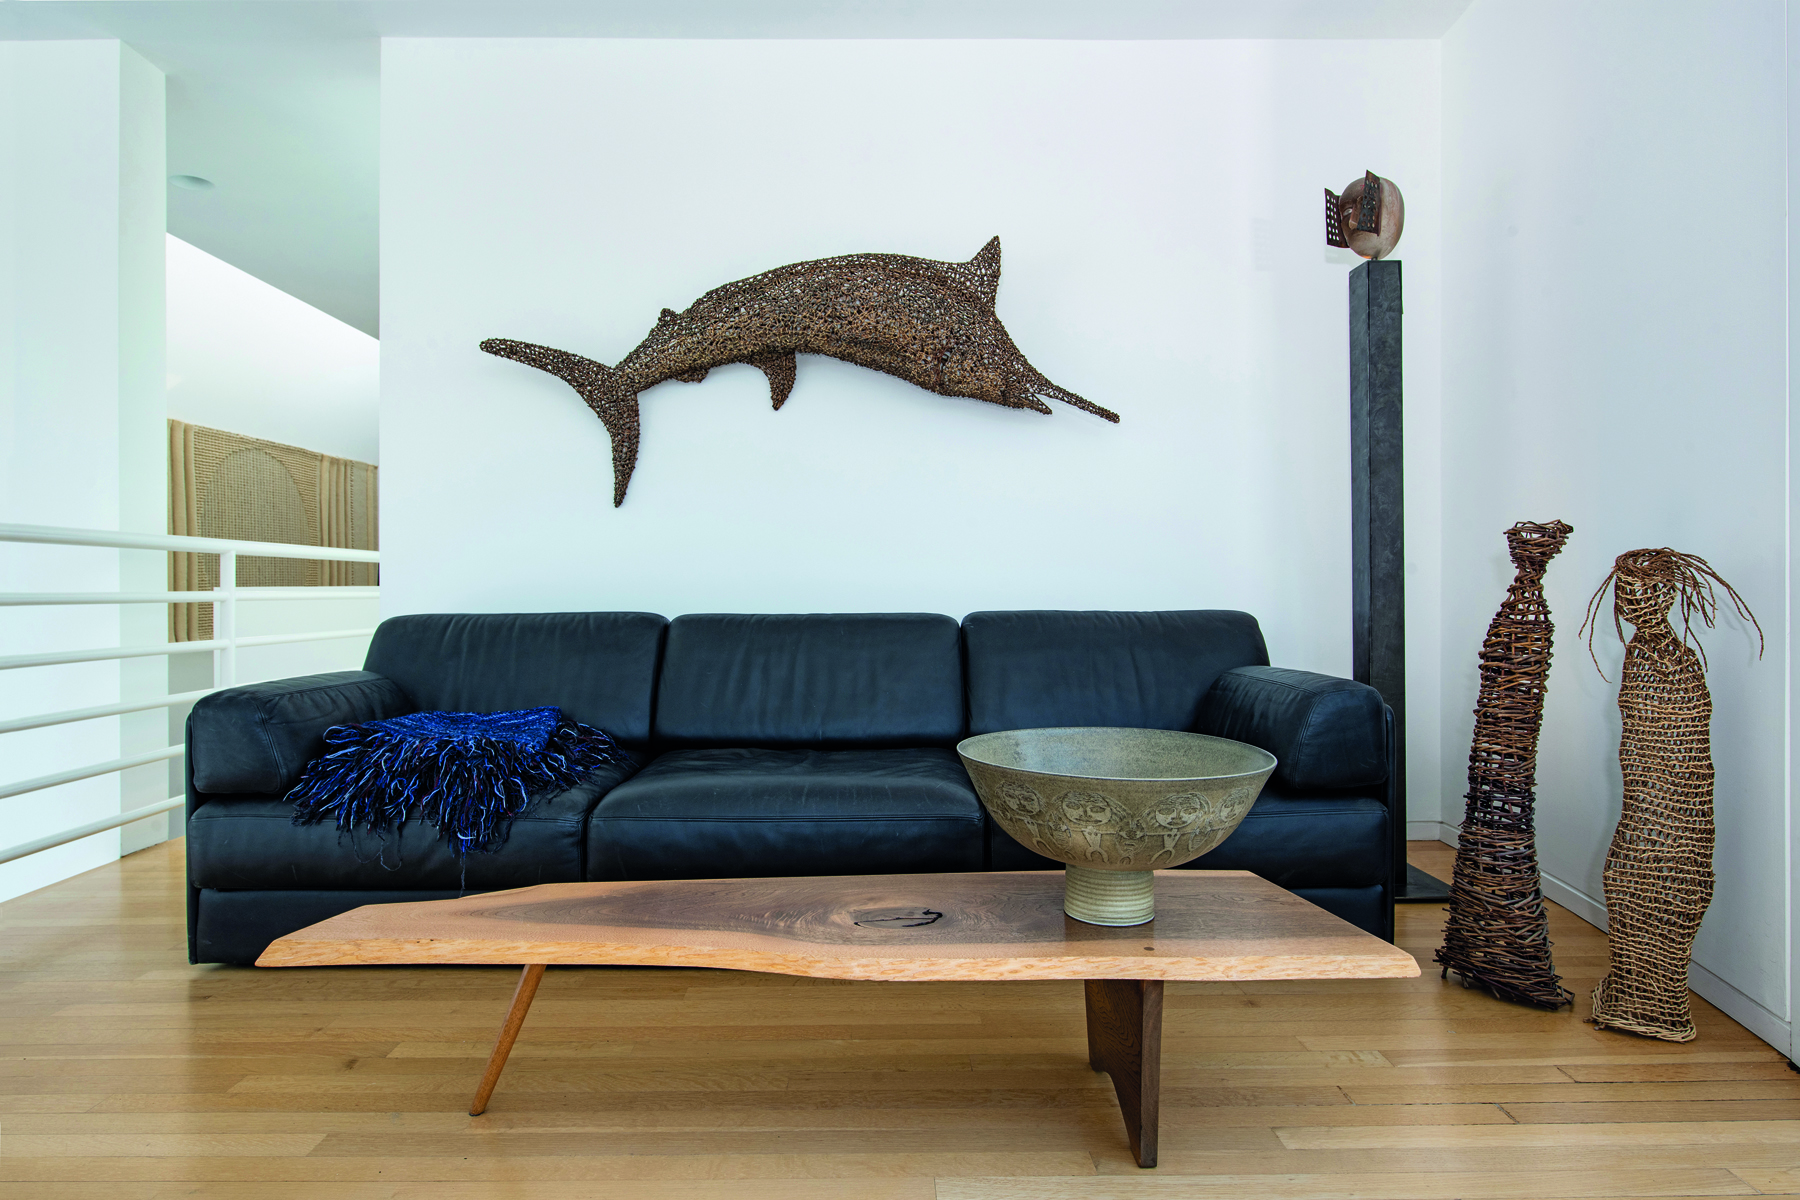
1109,897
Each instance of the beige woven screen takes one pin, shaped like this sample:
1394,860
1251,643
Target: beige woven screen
229,486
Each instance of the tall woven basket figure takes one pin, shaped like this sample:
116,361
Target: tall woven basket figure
1497,935
1659,871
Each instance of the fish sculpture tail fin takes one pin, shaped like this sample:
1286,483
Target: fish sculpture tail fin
597,384
621,421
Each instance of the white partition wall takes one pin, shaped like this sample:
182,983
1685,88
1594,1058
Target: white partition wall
1788,661
1615,355
81,293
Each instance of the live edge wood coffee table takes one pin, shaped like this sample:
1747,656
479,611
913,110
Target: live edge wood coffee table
1210,925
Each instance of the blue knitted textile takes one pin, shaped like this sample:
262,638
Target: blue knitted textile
467,774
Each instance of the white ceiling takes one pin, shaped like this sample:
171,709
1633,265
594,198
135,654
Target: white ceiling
278,101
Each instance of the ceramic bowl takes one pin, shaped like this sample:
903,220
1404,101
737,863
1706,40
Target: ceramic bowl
1114,805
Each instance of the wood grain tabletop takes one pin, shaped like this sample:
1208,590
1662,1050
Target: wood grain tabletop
1210,925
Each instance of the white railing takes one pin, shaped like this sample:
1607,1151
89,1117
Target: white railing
223,645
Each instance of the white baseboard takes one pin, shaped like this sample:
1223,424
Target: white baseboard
1742,1009
1431,831
1575,900
1724,996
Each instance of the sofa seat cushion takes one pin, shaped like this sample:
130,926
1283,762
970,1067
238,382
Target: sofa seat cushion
708,814
252,842
1308,841
1293,840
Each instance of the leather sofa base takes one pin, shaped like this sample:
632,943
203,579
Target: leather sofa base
1367,908
236,927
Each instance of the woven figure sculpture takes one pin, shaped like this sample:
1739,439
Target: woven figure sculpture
1659,872
930,323
1497,935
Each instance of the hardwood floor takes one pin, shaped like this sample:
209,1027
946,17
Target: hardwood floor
129,1075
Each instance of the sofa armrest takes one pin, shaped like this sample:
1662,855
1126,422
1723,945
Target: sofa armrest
1325,732
257,738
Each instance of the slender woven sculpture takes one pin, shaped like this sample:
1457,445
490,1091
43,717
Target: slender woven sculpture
1659,873
1497,935
930,323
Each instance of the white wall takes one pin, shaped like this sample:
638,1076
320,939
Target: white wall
81,227
1160,209
248,357
1614,356
1793,523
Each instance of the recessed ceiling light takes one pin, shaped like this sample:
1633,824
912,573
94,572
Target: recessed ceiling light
192,183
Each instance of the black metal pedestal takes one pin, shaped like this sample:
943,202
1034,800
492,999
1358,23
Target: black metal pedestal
1422,888
1378,524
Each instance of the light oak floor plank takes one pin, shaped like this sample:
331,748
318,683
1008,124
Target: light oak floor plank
1446,1185
1771,1183
127,1074
1594,1134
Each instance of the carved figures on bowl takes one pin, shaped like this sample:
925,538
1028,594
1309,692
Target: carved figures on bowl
1092,830
1114,805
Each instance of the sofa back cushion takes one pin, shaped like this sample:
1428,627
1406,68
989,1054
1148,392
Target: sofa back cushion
816,681
598,667
1145,670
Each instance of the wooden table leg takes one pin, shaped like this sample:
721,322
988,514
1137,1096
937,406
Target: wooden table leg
1124,1025
509,1033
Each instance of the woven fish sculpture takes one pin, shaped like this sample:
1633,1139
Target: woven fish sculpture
466,774
930,323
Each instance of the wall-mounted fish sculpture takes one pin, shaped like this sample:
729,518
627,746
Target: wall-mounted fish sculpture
930,323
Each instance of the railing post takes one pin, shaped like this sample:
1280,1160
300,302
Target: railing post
225,622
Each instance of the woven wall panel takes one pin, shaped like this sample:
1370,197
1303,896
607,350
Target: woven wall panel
227,485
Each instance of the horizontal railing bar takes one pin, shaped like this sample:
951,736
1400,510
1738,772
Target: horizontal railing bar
14,599
323,592
59,657
17,599
278,639
88,772
103,710
90,829
55,535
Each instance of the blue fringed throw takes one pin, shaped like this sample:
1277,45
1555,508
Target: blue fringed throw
467,774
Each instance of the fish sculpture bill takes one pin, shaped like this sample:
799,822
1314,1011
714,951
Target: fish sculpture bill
930,323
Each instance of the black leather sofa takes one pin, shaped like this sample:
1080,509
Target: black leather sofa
773,745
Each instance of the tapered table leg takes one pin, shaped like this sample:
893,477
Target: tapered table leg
509,1033
1124,1027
